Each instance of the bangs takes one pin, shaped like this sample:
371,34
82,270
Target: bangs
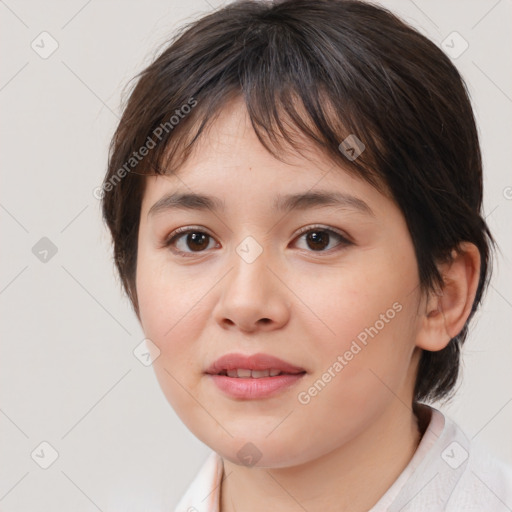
295,97
290,124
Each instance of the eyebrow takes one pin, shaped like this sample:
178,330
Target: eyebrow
282,203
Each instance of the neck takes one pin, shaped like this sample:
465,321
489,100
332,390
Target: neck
350,478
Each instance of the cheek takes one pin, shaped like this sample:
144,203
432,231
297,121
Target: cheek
363,369
170,314
367,298
369,318
169,307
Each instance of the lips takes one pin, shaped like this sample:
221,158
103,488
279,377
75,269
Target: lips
254,377
253,366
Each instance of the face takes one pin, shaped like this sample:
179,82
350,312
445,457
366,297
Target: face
331,288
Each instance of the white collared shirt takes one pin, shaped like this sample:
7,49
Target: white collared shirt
447,473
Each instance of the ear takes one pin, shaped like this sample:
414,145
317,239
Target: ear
448,309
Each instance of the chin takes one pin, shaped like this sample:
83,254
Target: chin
259,451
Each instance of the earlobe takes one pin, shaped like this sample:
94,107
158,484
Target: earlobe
448,309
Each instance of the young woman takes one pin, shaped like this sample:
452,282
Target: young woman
294,194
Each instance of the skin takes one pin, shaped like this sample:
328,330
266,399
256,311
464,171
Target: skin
346,446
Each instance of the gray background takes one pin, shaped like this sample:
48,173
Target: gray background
68,373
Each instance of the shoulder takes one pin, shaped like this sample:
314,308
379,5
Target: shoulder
486,482
452,473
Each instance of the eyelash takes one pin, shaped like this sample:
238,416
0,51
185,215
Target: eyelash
180,232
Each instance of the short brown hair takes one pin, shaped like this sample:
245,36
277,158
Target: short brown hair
356,69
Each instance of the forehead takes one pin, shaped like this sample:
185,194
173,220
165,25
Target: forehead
228,165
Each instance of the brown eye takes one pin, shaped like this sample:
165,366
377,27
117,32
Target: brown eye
196,241
189,241
319,239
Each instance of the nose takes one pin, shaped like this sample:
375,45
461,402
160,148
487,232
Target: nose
253,297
